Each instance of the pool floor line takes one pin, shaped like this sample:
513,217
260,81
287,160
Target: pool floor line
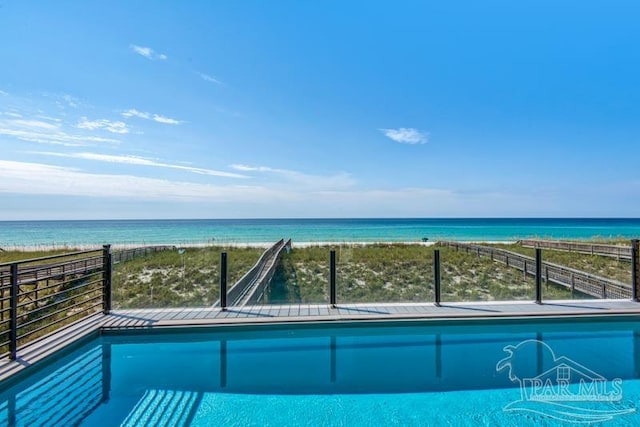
147,319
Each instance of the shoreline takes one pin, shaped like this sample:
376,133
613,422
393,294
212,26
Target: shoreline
198,245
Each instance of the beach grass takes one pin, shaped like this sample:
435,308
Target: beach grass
162,279
399,273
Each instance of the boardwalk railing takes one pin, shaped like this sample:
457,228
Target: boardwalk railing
245,289
576,280
121,255
602,249
38,296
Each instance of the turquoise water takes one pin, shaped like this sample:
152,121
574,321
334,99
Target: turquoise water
383,375
33,233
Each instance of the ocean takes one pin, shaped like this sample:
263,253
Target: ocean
238,231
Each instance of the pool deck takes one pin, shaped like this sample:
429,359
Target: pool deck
140,319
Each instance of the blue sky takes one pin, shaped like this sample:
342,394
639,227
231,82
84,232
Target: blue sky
319,109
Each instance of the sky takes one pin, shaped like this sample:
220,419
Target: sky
310,109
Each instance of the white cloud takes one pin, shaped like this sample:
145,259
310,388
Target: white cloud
12,114
25,179
209,78
47,133
135,113
147,52
35,124
43,179
108,125
141,161
406,135
247,168
166,120
149,116
71,101
303,180
3,93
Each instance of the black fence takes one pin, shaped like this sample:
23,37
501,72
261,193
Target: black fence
37,296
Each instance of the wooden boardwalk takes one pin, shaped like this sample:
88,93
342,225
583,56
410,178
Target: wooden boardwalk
575,280
142,319
619,252
251,287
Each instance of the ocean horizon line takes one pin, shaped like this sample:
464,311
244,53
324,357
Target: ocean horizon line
337,218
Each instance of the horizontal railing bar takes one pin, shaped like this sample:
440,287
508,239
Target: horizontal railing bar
33,279
60,320
44,288
37,267
25,261
63,301
601,249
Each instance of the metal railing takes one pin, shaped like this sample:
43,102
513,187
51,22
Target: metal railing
602,249
576,280
37,296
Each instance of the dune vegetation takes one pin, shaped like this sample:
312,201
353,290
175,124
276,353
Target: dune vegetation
365,273
162,280
399,273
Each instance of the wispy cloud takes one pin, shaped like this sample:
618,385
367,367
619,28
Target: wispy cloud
135,113
142,161
302,180
166,120
38,124
25,179
246,168
150,116
210,79
3,93
147,52
37,178
108,125
11,114
71,100
406,135
48,133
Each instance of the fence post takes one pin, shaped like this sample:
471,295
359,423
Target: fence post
332,277
573,285
13,313
538,276
436,276
635,269
107,265
223,281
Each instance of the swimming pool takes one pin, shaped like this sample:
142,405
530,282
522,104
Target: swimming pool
471,373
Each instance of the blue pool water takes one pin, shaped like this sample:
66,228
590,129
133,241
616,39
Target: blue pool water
376,375
32,233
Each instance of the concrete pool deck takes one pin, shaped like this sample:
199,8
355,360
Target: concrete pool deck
140,319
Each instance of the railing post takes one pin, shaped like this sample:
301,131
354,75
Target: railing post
635,269
538,276
573,285
13,313
107,265
223,280
332,277
436,276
